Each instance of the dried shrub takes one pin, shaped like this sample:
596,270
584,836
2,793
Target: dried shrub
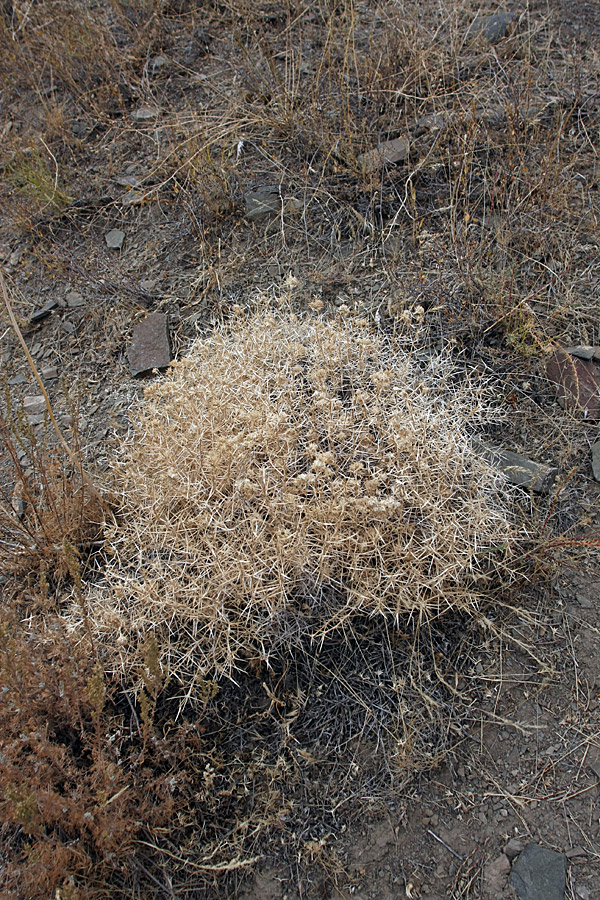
286,479
47,509
75,794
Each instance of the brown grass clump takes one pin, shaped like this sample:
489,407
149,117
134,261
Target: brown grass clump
286,478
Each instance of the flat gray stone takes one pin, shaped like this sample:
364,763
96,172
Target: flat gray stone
34,405
539,874
492,28
150,346
524,472
128,181
389,152
114,238
144,114
596,460
263,203
583,352
74,299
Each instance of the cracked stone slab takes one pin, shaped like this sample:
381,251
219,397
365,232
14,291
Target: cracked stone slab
150,346
539,874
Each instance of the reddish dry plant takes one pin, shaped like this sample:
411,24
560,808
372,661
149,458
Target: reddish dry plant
296,471
73,797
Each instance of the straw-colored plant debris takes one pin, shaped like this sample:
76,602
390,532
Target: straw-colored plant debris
286,476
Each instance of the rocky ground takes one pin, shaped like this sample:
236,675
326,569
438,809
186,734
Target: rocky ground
127,230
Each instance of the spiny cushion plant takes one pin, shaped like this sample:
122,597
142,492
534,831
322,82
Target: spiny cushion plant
288,475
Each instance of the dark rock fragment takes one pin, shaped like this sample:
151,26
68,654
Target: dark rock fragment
389,152
40,314
492,28
519,470
262,203
539,874
596,460
150,346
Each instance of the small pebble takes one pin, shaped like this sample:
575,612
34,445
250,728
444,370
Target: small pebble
114,239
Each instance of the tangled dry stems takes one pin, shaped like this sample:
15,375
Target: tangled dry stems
286,477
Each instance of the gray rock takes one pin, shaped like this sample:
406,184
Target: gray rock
519,470
513,848
263,203
144,114
389,152
34,405
596,460
583,352
114,239
128,181
150,346
492,28
49,372
74,299
539,874
44,312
